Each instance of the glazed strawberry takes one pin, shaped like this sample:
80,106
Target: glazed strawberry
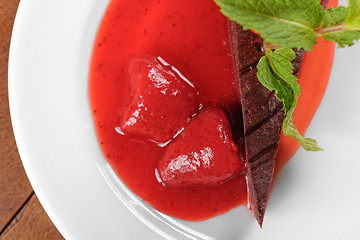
160,101
204,153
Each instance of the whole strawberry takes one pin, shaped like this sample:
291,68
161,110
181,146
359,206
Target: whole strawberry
159,103
204,153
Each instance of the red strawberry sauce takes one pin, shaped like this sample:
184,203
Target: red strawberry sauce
192,36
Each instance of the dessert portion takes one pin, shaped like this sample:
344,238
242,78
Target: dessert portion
263,116
179,112
262,112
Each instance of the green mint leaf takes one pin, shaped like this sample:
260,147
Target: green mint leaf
290,130
281,61
353,17
334,16
289,23
344,38
335,26
272,82
275,72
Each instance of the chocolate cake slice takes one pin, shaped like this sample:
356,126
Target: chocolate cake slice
263,116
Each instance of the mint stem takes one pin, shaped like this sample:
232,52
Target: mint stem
271,46
336,28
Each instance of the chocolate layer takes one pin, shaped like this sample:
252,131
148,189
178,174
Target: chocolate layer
263,116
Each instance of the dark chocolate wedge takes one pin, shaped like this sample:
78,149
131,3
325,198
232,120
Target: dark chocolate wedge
263,116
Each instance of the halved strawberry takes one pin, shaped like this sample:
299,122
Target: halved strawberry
160,101
204,153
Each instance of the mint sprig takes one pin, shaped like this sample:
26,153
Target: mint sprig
275,72
287,24
335,27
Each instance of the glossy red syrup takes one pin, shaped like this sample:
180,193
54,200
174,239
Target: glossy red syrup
192,36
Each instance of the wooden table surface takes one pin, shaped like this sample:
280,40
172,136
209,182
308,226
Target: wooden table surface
21,215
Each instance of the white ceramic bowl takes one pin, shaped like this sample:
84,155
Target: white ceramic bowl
316,196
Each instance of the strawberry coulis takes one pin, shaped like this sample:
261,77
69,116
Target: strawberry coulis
196,41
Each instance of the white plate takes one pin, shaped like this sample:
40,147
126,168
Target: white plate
316,196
